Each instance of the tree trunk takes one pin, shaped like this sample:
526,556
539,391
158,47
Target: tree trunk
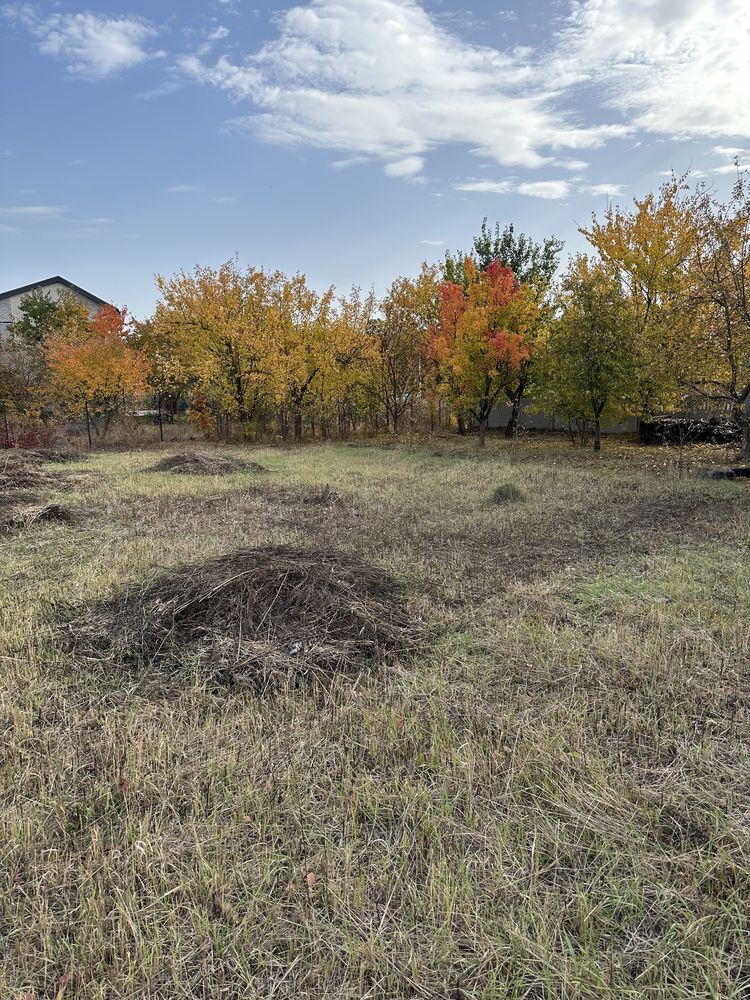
482,430
461,424
298,425
511,429
745,445
88,424
597,435
516,397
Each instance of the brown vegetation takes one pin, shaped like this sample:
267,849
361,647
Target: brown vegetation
204,464
253,616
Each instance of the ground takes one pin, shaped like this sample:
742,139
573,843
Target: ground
543,793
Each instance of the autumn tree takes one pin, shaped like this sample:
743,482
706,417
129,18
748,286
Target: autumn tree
94,371
480,342
346,386
534,264
168,376
590,361
716,346
648,249
409,311
299,319
220,320
23,348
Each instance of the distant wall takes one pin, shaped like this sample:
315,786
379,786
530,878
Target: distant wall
529,419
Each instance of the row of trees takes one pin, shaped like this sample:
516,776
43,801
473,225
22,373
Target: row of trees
655,317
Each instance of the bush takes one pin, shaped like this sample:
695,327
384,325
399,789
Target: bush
508,493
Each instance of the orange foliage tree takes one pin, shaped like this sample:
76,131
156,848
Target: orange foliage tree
93,369
480,342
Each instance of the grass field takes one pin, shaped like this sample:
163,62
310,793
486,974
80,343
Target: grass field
542,792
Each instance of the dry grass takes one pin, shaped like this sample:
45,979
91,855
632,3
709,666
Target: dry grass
204,464
255,616
25,515
545,797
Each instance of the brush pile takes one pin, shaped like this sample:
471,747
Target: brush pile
21,480
204,464
253,617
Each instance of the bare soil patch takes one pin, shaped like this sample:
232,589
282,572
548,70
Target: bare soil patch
204,464
253,617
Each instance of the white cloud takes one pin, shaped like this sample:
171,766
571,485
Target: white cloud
676,67
576,165
728,151
388,80
533,189
33,211
408,167
433,243
5,228
737,158
485,187
545,189
730,168
381,78
90,45
181,189
600,189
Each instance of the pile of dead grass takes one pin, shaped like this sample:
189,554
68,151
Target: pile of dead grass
253,617
19,472
325,496
21,482
28,514
204,464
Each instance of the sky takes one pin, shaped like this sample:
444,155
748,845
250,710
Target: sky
347,139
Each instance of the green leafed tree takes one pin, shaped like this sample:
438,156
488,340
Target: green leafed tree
590,361
40,316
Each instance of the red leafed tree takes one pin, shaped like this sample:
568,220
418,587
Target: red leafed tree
93,368
480,342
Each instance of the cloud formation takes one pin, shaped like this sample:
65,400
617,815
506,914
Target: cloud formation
387,80
32,211
382,79
91,45
672,67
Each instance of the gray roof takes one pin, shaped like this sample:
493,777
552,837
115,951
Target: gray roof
56,280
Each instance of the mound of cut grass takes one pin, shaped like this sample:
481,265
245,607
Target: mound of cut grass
254,616
30,514
204,464
17,472
305,496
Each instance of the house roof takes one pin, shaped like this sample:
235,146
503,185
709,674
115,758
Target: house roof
56,280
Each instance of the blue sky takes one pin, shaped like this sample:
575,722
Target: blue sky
349,139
